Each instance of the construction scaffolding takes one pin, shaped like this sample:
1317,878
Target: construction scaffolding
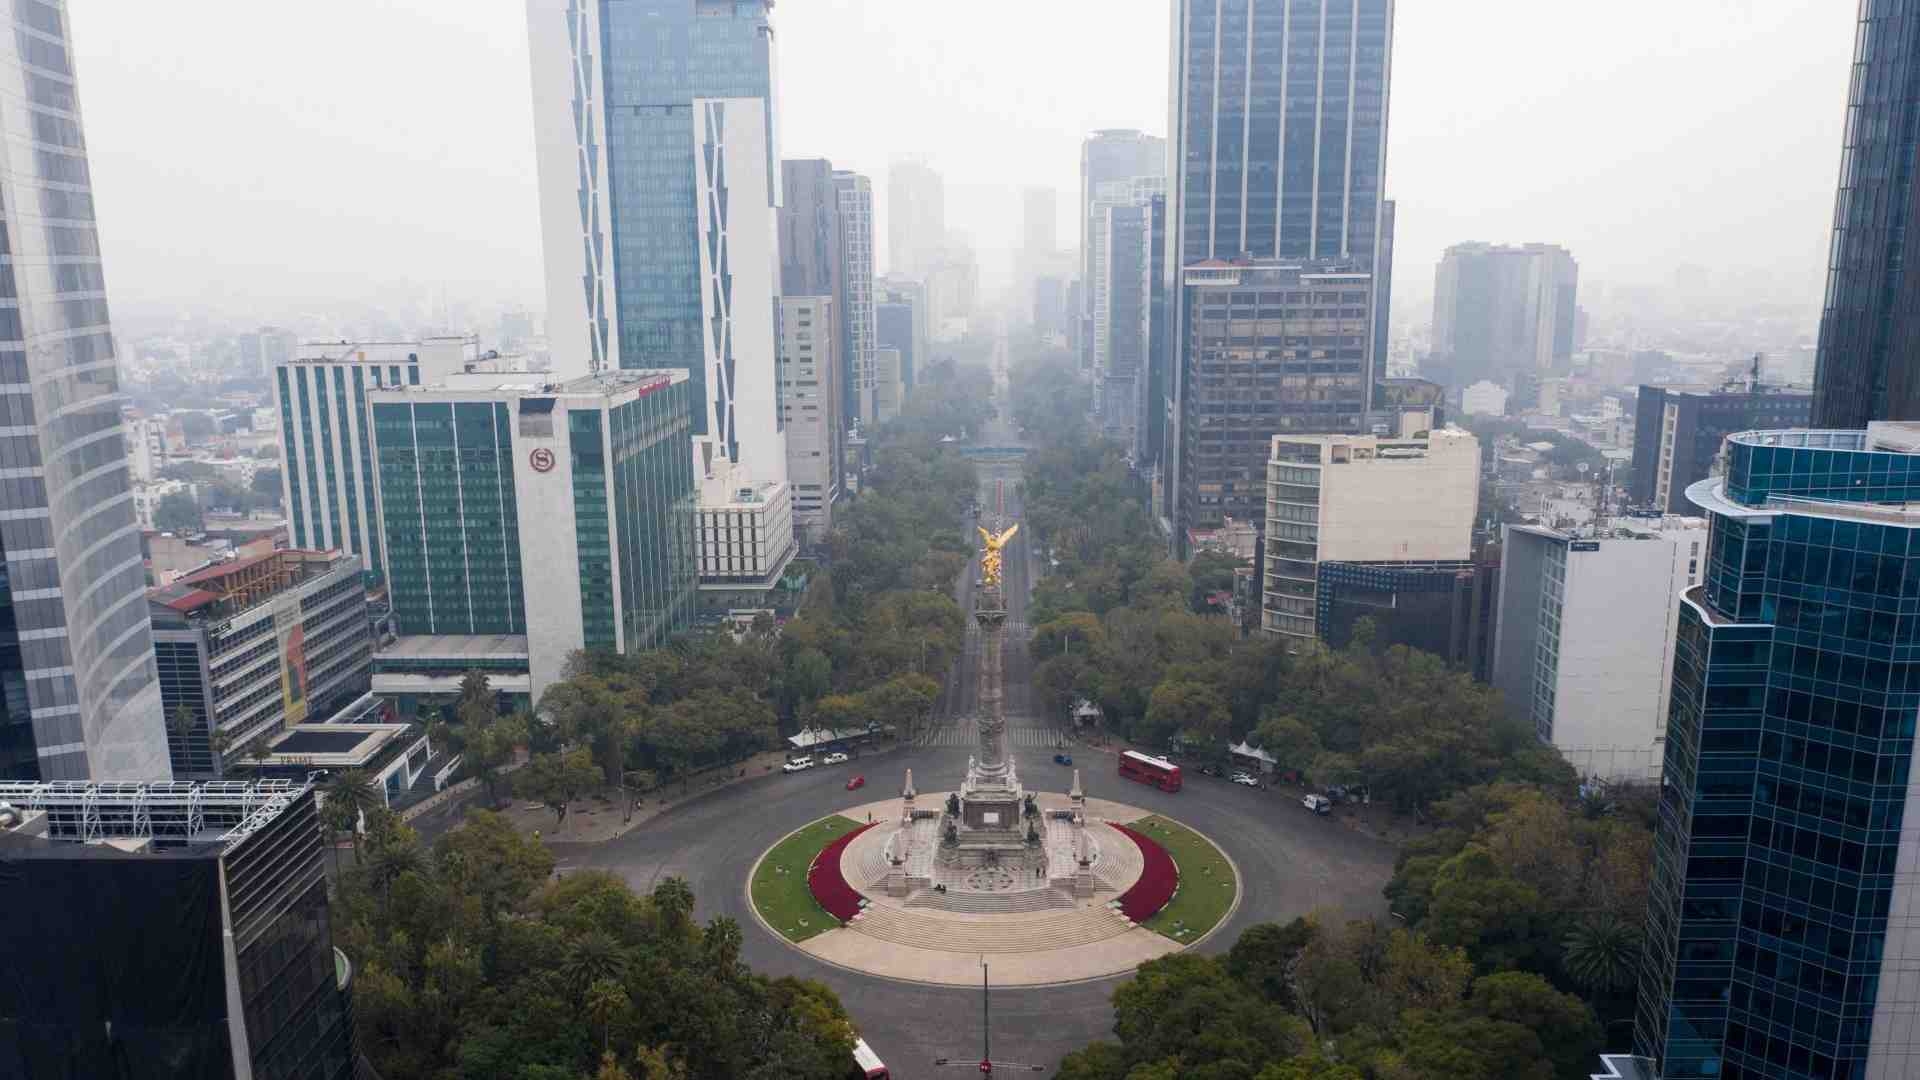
218,811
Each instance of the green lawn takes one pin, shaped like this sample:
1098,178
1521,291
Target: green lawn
1206,881
780,882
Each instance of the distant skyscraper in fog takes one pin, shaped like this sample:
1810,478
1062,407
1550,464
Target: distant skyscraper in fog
856,270
1870,324
916,219
1039,221
79,693
1504,314
1108,157
1279,158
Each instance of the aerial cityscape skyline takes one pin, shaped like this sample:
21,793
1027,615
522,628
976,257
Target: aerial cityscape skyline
1391,576
469,133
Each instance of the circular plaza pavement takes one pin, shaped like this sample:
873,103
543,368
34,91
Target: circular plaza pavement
1288,862
1028,937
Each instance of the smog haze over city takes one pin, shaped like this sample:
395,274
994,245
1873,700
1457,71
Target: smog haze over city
365,160
858,539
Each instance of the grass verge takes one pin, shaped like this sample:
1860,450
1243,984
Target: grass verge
1206,881
780,891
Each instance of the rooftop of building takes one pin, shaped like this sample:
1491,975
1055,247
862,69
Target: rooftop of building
456,647
1343,449
1625,527
638,382
347,351
79,818
227,589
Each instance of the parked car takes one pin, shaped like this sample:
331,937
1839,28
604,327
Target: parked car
1211,770
856,782
835,758
797,764
1319,804
1245,780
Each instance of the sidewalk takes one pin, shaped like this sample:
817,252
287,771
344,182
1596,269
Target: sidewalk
601,817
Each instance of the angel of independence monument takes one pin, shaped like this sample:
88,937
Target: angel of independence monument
991,837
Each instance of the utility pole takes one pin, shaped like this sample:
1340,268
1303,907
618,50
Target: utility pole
987,1064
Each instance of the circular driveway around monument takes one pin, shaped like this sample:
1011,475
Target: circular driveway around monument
1079,941
1290,863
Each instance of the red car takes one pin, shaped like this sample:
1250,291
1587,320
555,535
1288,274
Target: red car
856,782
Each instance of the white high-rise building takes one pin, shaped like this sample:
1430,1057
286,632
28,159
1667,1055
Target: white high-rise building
1361,498
856,247
327,484
1584,645
739,246
1133,191
570,140
809,396
681,269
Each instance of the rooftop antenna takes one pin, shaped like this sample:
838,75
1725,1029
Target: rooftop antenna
987,1064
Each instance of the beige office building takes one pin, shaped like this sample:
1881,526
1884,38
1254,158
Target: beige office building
1361,498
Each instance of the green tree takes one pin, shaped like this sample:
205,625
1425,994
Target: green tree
1601,954
1191,710
556,780
177,512
356,794
266,484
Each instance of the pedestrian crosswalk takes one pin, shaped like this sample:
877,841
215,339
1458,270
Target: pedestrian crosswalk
963,733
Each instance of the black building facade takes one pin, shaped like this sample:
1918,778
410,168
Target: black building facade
1278,160
1870,321
205,952
1677,434
1445,608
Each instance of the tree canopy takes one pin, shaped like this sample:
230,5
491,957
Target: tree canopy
473,962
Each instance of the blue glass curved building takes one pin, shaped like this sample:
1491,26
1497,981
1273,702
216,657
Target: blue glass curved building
1783,933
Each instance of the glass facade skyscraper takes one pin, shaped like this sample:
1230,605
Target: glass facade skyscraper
1870,322
563,513
1279,111
79,695
1784,922
657,58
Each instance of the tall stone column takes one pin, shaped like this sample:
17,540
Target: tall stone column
990,611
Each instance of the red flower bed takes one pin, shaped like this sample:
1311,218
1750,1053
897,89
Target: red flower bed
827,884
1159,879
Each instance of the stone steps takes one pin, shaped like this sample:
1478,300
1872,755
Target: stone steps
865,862
1119,865
1024,900
1065,930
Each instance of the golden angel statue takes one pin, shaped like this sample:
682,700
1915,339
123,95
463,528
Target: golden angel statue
990,553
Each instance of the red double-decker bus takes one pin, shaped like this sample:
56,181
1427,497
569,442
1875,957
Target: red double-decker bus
1159,772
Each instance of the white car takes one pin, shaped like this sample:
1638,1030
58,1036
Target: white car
1319,804
835,759
1245,780
797,764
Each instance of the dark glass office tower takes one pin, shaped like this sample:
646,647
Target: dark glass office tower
1279,155
1782,934
1870,325
79,695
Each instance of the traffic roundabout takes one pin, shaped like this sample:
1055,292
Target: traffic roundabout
873,890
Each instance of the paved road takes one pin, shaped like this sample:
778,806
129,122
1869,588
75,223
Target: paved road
1290,861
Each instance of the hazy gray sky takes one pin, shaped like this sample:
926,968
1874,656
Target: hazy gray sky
277,152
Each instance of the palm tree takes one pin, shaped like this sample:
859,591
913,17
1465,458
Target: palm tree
606,999
389,862
356,790
592,957
1602,954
